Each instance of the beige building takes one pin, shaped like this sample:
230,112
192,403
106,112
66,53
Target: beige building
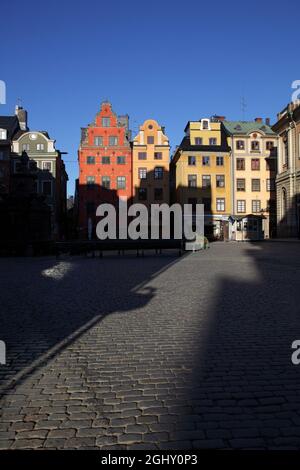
150,164
253,172
288,176
200,174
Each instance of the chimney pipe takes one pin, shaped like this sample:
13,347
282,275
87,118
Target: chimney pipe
258,119
22,117
268,121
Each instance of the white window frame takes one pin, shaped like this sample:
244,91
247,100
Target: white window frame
47,161
3,134
241,202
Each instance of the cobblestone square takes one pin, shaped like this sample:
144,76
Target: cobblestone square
155,352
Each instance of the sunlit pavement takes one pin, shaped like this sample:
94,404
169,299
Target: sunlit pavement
159,352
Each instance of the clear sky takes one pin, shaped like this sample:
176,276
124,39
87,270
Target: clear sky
173,61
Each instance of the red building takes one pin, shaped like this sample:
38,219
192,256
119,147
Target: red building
105,166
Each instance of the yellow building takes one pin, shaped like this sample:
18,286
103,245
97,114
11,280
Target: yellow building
200,173
253,173
150,164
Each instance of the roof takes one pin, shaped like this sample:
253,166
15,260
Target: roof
11,124
246,127
21,132
186,145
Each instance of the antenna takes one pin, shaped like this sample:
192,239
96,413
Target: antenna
19,102
243,107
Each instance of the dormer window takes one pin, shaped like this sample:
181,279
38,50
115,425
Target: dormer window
205,124
3,134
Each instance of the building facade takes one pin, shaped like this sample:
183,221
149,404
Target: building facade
200,173
288,175
9,126
150,165
253,172
105,166
51,177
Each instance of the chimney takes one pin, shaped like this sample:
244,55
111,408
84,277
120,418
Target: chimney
258,119
22,117
268,121
217,118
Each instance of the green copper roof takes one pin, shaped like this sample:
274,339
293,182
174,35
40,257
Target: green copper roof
245,127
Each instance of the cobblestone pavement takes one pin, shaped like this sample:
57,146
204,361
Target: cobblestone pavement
157,352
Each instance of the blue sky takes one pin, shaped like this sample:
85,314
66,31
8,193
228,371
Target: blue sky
167,60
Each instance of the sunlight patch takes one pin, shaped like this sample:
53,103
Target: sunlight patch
58,271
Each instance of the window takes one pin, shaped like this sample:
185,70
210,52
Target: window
255,164
284,203
269,145
142,173
121,160
105,122
113,140
198,140
241,184
98,141
255,184
241,205
90,160
121,182
90,180
158,172
206,181
157,155
2,155
192,181
205,124
270,184
240,145
90,208
220,161
255,146
105,160
3,134
220,181
212,141
205,161
286,150
142,194
256,206
47,166
158,194
40,147
47,188
240,164
192,160
25,147
150,139
105,182
142,156
220,204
